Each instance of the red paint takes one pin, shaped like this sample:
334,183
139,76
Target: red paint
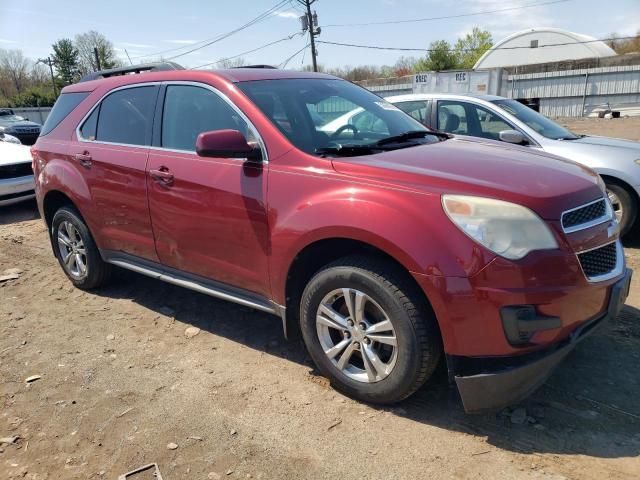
244,223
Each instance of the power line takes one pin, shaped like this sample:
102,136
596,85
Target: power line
259,18
444,17
248,51
284,64
209,41
406,49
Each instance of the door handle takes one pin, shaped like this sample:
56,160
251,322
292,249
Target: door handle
163,176
84,159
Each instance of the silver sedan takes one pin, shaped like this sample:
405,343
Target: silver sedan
507,120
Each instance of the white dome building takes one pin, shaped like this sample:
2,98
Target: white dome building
542,45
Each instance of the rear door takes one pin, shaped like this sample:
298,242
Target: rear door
111,152
209,214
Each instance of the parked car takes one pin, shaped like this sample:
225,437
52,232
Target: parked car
25,130
5,137
16,175
507,120
387,248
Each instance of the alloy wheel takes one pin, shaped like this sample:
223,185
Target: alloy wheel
616,204
72,250
357,335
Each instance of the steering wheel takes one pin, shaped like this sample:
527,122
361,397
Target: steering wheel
339,131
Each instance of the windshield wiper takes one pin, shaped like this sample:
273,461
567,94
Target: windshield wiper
411,134
348,150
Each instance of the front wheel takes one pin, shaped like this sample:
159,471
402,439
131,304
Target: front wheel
369,330
624,206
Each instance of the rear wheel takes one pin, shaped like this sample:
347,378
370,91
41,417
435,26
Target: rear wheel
624,205
369,330
76,250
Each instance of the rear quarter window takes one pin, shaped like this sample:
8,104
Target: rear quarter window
65,104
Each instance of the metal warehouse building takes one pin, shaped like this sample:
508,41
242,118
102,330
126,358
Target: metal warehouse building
542,45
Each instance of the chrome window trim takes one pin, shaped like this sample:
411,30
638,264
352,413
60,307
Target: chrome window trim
263,148
608,216
97,104
616,271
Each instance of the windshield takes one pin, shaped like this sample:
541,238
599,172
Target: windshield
321,116
541,124
10,118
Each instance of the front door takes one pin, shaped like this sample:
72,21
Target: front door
208,214
111,153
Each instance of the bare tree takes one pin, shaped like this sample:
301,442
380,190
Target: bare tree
15,67
231,63
85,43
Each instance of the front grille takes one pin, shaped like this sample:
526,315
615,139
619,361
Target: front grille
600,261
585,214
35,130
15,171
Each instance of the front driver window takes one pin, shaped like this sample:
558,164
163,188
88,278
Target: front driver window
490,124
190,110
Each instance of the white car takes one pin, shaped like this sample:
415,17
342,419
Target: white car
507,120
16,174
5,137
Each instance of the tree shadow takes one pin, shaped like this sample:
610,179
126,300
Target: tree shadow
588,407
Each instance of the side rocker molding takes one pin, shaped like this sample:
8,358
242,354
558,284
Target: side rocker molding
195,283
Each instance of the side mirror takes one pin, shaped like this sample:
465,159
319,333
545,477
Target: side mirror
226,144
513,136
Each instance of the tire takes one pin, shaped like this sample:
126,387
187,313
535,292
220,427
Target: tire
71,238
622,198
396,371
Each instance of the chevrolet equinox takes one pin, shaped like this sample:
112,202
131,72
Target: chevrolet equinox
387,245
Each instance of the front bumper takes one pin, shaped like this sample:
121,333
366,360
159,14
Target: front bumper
13,190
498,382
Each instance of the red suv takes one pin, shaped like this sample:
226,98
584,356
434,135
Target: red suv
385,243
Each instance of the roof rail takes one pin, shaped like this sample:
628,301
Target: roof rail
147,67
256,66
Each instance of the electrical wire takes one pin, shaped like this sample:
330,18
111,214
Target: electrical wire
284,64
444,17
248,51
209,41
405,49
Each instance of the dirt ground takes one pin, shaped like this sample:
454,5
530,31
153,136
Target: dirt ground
120,381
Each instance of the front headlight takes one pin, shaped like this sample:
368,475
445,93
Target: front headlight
637,161
506,229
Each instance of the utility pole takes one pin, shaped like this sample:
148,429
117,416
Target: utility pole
95,53
49,62
310,22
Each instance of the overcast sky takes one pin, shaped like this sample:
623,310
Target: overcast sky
145,27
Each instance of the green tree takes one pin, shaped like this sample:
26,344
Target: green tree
441,57
66,60
85,44
472,46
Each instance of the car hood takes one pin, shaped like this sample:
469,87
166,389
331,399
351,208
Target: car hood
11,153
18,123
544,183
607,142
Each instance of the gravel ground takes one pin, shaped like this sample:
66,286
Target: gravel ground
130,370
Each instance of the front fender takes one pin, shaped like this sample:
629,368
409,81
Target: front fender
410,227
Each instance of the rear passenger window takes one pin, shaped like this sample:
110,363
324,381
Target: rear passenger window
126,116
189,111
